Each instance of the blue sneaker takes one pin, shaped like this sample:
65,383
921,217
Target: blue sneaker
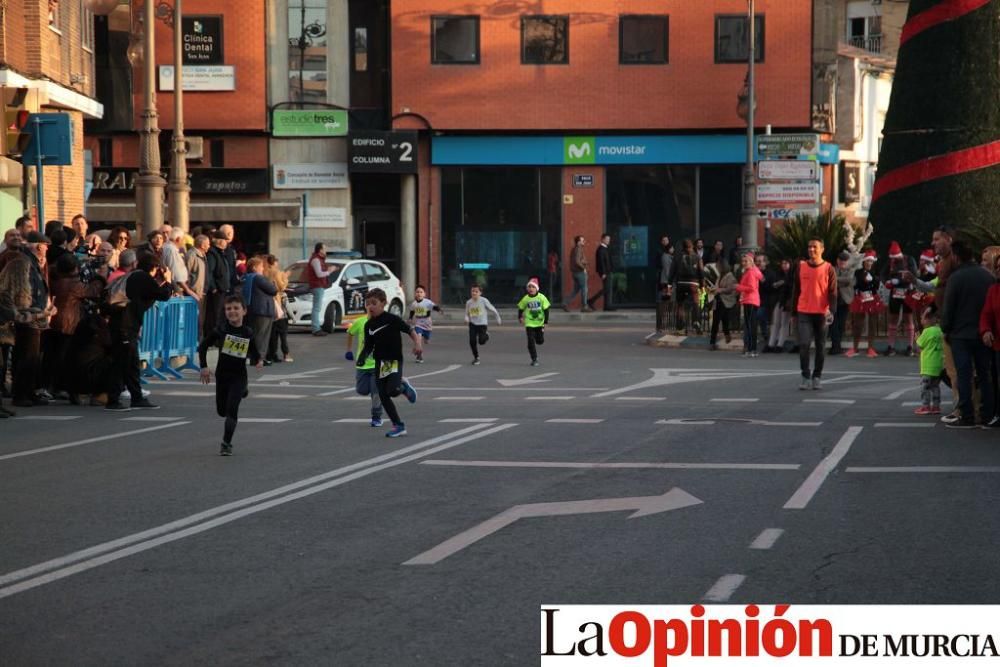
409,392
396,431
376,422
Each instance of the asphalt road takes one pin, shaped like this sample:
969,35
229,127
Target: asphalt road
128,540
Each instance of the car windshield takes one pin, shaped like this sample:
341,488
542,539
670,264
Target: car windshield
297,272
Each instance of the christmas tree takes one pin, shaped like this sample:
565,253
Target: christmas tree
940,157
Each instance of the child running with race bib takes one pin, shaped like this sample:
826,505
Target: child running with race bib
476,315
533,313
364,376
420,317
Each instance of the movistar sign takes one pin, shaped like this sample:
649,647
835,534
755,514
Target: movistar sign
579,150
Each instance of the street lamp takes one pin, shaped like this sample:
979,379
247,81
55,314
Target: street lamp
745,107
179,191
149,185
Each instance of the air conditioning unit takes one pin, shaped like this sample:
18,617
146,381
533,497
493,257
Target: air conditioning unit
195,147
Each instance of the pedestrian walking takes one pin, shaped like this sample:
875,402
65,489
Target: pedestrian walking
604,268
664,290
725,298
814,298
533,314
318,279
235,340
749,289
476,316
382,340
866,304
930,343
364,376
578,266
895,278
421,319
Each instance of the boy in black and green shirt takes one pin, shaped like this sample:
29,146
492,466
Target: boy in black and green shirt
533,313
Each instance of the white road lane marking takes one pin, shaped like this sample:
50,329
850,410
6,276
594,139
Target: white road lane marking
612,466
800,499
724,588
468,420
733,420
302,375
334,393
671,376
48,418
733,400
254,394
447,369
905,424
911,404
549,398
640,398
200,394
573,421
926,469
87,441
896,394
352,420
87,559
767,538
151,419
843,401
263,420
459,398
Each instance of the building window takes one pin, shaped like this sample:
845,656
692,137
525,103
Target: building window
455,40
86,27
55,21
361,49
865,32
307,51
545,40
642,40
732,40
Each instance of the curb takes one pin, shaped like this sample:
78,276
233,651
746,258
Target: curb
701,343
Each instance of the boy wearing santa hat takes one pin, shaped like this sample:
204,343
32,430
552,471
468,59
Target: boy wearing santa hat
533,313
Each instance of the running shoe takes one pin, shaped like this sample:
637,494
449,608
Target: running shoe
961,423
853,352
805,384
891,352
534,362
951,418
225,449
872,353
924,410
396,431
117,407
475,362
376,422
935,410
993,423
145,403
817,384
409,392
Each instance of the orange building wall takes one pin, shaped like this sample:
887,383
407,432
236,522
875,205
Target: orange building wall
594,91
243,38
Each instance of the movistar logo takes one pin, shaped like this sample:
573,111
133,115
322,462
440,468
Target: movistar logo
579,150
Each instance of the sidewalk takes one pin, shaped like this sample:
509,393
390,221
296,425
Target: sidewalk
456,315
672,340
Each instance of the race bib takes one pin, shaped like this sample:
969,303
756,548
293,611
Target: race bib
474,312
387,368
867,296
234,346
899,293
421,312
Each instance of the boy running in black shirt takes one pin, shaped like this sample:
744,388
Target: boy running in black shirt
235,341
382,341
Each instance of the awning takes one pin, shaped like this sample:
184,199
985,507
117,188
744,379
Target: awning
201,212
56,95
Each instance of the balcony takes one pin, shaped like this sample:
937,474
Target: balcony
870,43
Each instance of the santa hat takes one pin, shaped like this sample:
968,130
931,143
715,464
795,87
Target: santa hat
895,252
927,256
533,281
869,255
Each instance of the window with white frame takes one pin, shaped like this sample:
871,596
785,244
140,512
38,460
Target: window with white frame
86,27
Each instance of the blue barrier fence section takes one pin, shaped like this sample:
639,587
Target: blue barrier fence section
170,331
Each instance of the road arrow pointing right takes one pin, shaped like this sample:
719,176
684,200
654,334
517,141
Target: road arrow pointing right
533,379
643,505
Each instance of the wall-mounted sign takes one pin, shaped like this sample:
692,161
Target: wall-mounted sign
309,123
202,40
777,194
787,145
326,218
788,170
850,182
200,78
318,176
583,180
383,152
203,181
787,213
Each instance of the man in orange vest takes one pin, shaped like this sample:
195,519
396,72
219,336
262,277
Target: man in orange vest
814,299
317,275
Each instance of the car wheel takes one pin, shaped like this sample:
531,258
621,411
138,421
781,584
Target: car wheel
396,308
332,318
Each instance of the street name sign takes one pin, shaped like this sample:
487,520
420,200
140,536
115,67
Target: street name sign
787,145
788,170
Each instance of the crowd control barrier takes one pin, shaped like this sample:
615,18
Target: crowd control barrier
169,331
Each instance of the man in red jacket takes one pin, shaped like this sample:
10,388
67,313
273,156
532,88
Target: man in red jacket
317,275
814,299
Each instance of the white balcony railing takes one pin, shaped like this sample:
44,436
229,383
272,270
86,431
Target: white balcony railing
872,43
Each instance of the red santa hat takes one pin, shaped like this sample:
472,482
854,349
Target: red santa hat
927,256
895,252
533,281
869,255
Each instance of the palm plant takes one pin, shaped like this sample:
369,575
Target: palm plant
789,240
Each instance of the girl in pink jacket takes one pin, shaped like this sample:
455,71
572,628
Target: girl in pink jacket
749,289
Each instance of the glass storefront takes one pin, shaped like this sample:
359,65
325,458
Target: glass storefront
498,225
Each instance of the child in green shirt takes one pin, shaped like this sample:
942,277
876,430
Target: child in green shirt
533,313
931,363
364,377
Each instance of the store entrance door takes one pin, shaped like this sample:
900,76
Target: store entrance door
378,231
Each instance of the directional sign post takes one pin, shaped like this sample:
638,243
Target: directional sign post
639,506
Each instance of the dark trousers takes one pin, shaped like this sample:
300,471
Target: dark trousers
605,291
722,316
750,327
125,352
5,364
536,336
213,312
973,359
390,387
839,324
764,319
279,334
55,360
26,362
811,328
477,336
229,391
261,325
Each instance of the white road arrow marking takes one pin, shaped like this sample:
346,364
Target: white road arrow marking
667,376
641,506
533,379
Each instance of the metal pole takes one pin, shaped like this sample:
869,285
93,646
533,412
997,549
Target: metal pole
179,190
749,226
149,185
40,190
303,211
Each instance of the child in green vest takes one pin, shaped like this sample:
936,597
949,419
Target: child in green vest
931,363
533,313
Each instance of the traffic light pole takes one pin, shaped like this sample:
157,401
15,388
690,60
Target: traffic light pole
39,170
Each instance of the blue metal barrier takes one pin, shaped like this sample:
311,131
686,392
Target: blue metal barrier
169,331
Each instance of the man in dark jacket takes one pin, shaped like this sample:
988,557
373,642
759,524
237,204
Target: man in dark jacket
604,268
217,282
964,298
149,283
28,336
259,293
229,251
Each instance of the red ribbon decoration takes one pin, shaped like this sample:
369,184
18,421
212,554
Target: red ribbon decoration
939,166
949,10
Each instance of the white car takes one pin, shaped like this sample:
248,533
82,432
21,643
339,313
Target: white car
344,299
